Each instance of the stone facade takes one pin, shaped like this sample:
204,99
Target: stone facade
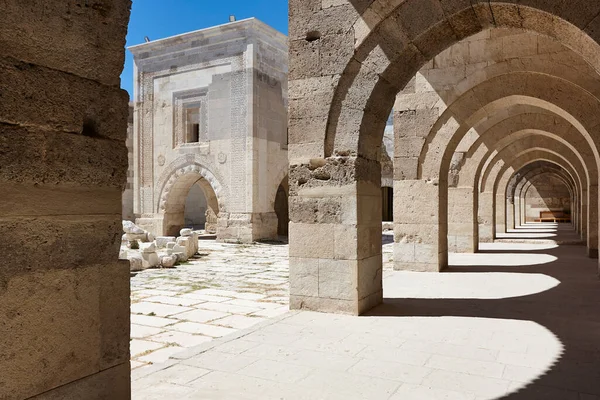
211,111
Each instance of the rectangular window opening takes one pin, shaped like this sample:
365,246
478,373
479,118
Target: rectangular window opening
192,122
195,136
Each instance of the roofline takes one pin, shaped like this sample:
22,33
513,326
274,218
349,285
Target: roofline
149,45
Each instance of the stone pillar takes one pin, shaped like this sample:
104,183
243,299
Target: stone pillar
576,217
522,210
510,217
584,214
592,240
517,211
500,216
335,235
420,232
574,212
246,227
64,296
461,221
486,217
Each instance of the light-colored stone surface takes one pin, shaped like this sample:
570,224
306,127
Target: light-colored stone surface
209,132
488,328
226,288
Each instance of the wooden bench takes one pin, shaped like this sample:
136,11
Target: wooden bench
553,216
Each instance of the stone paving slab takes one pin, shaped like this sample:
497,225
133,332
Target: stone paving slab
223,289
534,341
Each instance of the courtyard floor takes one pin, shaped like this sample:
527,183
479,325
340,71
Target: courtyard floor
225,288
516,321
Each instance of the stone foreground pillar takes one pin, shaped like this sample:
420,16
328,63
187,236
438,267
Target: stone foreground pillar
64,296
420,232
486,217
335,235
462,225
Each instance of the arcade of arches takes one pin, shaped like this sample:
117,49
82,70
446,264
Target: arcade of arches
496,114
495,120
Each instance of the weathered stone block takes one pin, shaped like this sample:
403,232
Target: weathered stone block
37,156
136,263
337,279
168,261
49,199
188,245
79,51
150,260
53,100
311,240
162,241
112,383
304,276
83,240
370,280
45,321
114,320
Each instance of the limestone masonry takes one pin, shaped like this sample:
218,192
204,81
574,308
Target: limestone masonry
250,171
210,113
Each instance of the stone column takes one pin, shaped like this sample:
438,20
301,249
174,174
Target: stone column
486,217
246,227
575,212
517,203
420,232
64,296
335,235
461,221
522,209
584,214
510,217
500,210
592,240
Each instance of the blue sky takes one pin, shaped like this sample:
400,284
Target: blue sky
158,19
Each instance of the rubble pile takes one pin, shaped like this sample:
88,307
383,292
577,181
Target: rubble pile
144,250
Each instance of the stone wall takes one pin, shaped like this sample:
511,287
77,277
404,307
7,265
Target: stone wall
64,296
547,193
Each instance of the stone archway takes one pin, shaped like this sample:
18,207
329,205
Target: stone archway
281,207
175,192
387,204
546,193
337,119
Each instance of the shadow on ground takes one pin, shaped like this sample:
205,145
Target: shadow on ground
570,311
